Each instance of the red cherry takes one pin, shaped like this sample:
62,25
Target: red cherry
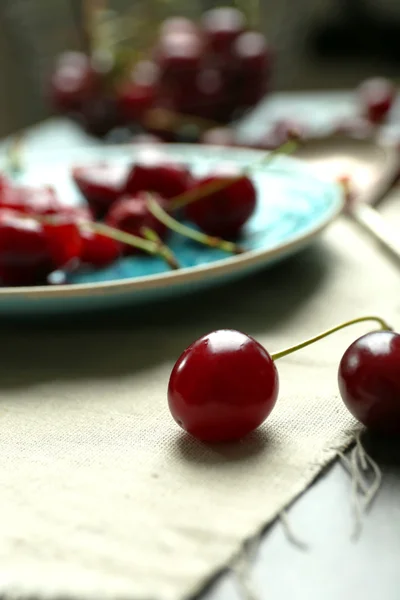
99,250
220,136
72,81
151,173
178,54
101,184
376,97
177,25
36,200
205,95
223,387
224,212
131,214
222,26
252,51
24,250
252,57
64,242
98,115
369,380
137,95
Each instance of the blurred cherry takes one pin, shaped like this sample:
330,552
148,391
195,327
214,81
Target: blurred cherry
222,26
100,184
73,80
131,214
376,96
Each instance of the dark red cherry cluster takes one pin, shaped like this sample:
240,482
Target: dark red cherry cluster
211,70
226,384
40,235
219,204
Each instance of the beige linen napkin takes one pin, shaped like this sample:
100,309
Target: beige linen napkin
102,496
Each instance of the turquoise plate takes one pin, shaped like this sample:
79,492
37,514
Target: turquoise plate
294,206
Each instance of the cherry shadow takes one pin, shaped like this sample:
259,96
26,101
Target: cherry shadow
222,454
125,340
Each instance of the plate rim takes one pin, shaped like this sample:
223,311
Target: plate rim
185,274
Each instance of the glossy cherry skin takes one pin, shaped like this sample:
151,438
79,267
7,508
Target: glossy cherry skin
64,242
179,53
369,380
99,114
253,60
224,212
99,250
131,214
223,386
138,93
36,200
177,25
204,96
157,175
24,251
101,184
72,81
221,27
376,97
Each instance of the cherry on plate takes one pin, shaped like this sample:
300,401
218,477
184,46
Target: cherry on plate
101,184
64,242
376,97
369,380
156,174
38,200
24,251
99,250
131,214
223,213
223,386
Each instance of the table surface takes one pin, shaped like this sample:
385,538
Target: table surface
333,566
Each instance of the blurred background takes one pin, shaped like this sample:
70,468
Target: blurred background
318,44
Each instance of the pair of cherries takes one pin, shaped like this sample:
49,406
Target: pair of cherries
226,384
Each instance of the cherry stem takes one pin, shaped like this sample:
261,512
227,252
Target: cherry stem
214,242
168,255
149,246
383,325
215,186
153,247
